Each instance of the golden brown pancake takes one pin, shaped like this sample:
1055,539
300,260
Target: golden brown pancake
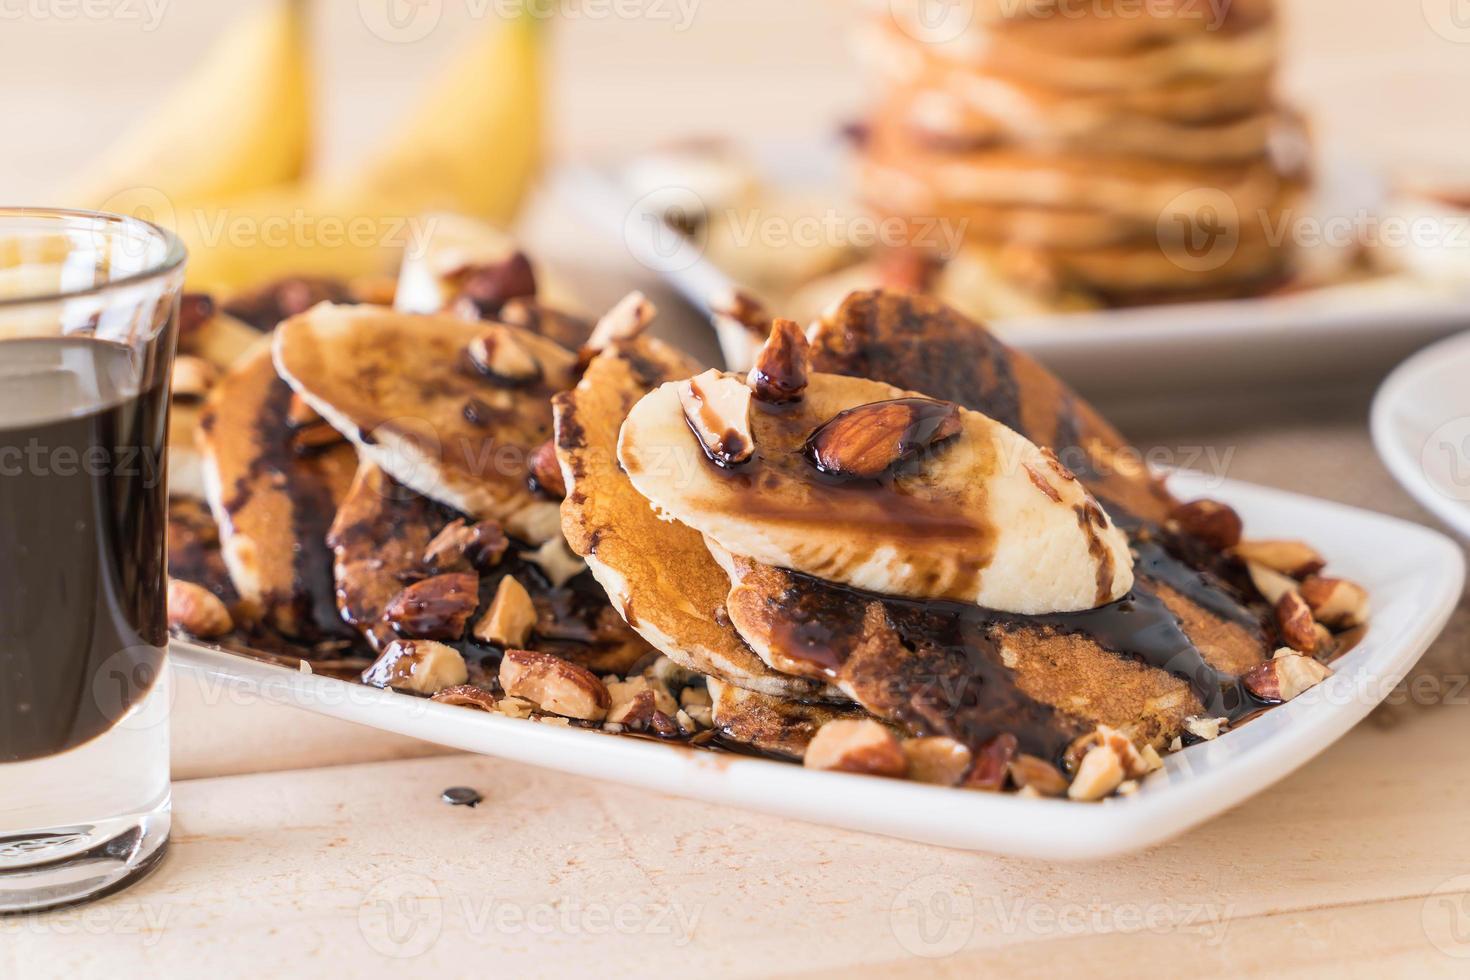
658,573
402,388
378,538
1175,647
917,342
1201,54
273,496
768,723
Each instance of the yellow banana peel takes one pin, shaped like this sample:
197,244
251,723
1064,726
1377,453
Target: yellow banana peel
238,122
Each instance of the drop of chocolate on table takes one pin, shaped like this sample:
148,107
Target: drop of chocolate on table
461,796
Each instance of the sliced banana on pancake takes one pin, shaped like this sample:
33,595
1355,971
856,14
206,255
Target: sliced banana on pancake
863,484
448,407
657,573
273,489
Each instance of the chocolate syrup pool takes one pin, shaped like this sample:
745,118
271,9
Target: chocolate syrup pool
83,511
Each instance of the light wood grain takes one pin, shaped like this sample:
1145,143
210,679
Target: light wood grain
285,872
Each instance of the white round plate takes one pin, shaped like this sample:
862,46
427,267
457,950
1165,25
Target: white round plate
1421,427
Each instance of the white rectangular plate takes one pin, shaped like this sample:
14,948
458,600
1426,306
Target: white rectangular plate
1341,335
1414,576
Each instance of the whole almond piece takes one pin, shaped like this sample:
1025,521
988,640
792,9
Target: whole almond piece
1336,602
1294,619
421,666
436,608
1285,677
1295,558
782,365
197,611
1214,523
546,471
553,684
867,441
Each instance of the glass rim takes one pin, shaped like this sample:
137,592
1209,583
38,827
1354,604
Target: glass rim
173,258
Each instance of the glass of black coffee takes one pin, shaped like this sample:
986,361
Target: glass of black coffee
88,321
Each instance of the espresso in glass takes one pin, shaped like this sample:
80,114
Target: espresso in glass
85,354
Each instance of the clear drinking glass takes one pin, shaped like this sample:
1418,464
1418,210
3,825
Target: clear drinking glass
88,321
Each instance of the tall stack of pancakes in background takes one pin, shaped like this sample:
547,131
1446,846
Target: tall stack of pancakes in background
1087,153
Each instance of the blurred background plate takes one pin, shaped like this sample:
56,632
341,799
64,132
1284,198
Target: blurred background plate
1314,344
1421,428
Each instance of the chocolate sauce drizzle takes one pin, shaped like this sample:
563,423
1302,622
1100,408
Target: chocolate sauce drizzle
955,681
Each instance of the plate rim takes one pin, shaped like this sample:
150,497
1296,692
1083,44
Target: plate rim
994,823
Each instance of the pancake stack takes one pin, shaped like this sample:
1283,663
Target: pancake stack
1089,154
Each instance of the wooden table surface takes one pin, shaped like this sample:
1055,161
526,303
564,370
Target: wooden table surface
303,845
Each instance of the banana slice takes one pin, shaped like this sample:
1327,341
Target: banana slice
404,389
869,486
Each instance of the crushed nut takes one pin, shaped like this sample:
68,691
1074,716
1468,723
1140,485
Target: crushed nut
468,696
938,760
515,707
557,561
856,746
781,366
992,763
1038,775
1098,774
1270,583
554,684
546,475
435,608
1294,619
511,616
717,408
421,666
1205,729
631,708
867,441
192,378
460,545
499,355
1285,677
482,290
197,611
1295,558
1214,523
628,318
1336,602
743,310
